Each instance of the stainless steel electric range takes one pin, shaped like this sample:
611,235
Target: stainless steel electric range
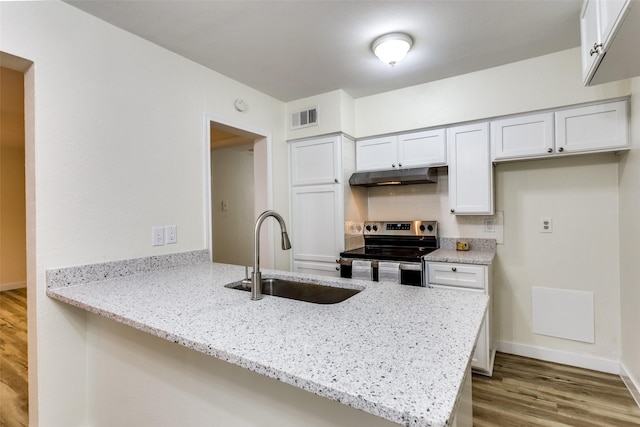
395,244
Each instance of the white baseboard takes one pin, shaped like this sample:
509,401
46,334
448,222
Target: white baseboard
632,383
563,357
14,285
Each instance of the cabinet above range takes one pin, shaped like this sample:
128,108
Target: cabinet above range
403,151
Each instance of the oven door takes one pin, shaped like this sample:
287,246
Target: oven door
411,274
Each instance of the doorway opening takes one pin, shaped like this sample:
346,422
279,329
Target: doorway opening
240,189
16,85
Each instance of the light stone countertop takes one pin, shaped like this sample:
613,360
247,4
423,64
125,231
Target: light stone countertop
461,257
398,352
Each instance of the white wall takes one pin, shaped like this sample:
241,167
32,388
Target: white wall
336,113
581,195
118,148
629,238
544,82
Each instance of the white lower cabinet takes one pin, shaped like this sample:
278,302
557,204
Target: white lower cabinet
316,226
468,278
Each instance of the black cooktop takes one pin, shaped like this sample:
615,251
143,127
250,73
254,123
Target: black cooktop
389,253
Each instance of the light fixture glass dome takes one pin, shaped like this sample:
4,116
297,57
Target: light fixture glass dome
391,48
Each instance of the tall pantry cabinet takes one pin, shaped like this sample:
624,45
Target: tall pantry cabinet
320,193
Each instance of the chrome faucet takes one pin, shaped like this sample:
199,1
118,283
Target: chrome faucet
256,276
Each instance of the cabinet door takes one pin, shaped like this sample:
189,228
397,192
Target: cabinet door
470,170
330,269
591,43
481,359
601,127
610,14
521,137
315,161
377,153
316,223
428,148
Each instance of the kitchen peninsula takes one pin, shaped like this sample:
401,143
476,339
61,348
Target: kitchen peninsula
398,352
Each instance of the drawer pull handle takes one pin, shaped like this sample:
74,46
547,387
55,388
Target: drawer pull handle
454,269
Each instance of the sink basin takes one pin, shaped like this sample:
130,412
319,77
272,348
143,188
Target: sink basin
301,291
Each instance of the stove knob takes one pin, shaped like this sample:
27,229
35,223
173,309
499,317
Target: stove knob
368,227
421,227
430,227
375,228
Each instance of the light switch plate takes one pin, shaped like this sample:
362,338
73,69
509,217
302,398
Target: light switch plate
546,224
157,236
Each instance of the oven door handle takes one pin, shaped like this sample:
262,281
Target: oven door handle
349,261
411,266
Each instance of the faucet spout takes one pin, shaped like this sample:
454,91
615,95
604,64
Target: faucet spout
256,276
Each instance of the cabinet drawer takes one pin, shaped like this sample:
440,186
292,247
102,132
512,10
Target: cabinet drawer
458,275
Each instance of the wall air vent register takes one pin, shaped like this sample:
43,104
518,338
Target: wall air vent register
304,118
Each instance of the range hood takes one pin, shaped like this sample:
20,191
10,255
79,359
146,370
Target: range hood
395,177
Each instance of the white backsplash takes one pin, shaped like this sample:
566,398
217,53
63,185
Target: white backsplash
430,202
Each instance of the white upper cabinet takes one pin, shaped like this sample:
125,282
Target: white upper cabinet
470,170
377,153
410,150
586,129
609,39
317,161
602,127
522,136
422,148
591,40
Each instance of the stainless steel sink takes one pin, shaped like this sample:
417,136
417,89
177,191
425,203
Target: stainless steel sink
301,291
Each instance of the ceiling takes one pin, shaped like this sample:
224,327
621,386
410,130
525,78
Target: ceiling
295,49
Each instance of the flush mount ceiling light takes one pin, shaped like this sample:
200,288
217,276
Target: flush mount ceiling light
391,48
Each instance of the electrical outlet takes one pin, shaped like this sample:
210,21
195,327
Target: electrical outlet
489,225
157,236
546,224
172,234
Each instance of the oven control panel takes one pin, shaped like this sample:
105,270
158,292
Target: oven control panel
401,228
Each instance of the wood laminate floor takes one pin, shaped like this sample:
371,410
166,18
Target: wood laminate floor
522,392
530,392
14,403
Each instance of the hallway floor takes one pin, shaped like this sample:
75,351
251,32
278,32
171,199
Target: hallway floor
14,396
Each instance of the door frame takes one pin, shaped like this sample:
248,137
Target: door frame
263,188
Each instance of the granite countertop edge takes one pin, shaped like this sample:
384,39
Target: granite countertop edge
461,257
